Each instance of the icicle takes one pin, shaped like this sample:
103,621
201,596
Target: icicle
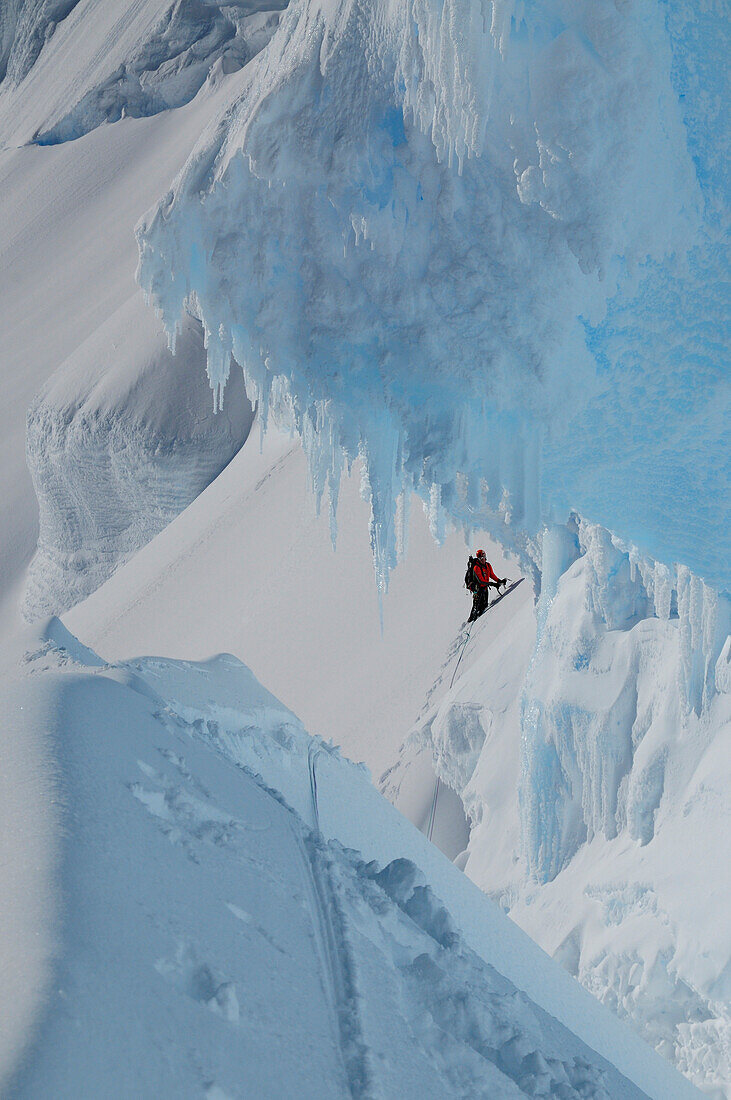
662,590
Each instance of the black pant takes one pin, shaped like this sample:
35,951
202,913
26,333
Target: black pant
479,602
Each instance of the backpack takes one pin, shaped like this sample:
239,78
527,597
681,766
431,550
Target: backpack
469,577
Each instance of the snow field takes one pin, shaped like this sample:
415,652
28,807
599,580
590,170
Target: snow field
30,844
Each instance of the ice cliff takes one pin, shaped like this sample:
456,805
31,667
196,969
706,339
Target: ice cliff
479,244
119,441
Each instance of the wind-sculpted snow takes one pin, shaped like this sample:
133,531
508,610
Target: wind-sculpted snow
119,442
449,235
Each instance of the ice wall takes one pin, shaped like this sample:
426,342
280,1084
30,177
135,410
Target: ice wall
119,441
437,232
626,653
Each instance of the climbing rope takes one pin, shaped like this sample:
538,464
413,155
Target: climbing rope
461,653
433,811
312,754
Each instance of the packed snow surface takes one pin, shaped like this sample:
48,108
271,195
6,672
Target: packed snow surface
278,928
482,245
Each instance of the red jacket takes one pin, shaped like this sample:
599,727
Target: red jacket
483,572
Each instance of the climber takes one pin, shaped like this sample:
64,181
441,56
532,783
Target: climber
479,579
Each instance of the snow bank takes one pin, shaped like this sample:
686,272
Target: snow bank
435,232
67,67
303,967
119,441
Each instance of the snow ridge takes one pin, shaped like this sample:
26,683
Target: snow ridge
191,42
154,56
191,766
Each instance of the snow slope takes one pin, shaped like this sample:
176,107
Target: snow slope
67,66
255,955
67,263
249,568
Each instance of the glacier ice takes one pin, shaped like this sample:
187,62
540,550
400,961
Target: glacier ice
609,669
463,240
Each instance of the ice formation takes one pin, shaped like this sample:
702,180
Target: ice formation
457,238
120,441
481,245
593,766
614,679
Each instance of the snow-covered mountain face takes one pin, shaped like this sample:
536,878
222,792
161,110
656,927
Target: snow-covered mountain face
463,238
68,258
479,245
119,442
56,84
